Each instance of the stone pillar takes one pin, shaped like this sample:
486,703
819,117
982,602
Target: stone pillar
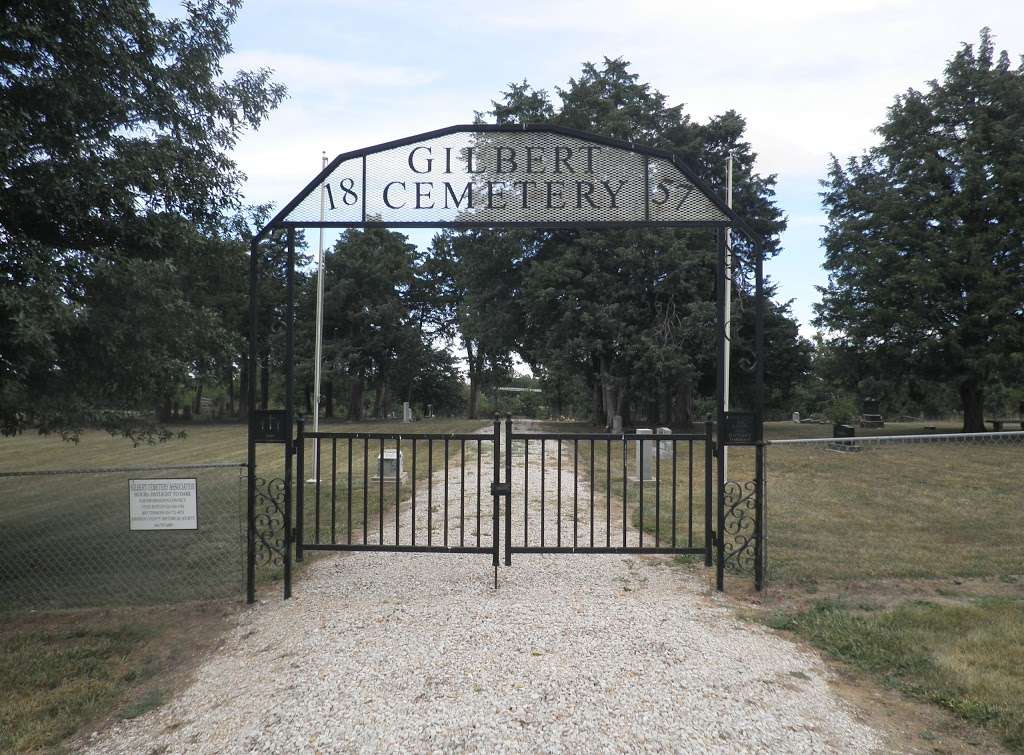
617,423
406,412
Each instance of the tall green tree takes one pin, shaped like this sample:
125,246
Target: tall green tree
631,314
116,128
924,243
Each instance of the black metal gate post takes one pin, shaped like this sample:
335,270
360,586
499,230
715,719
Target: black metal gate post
759,482
720,406
250,533
289,401
300,487
508,490
496,500
709,443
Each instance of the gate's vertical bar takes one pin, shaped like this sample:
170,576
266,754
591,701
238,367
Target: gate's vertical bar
592,484
720,407
430,491
412,481
495,499
608,493
445,492
348,484
675,462
300,488
316,488
640,477
657,495
558,496
478,453
366,487
250,529
398,489
543,460
708,462
289,400
334,490
380,490
625,487
526,493
575,490
462,493
508,484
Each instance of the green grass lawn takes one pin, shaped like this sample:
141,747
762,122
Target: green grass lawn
966,658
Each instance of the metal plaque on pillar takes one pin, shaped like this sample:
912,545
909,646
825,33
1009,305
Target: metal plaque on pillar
739,429
270,426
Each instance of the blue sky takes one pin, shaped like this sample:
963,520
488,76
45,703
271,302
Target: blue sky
812,77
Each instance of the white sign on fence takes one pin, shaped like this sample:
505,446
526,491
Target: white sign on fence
163,504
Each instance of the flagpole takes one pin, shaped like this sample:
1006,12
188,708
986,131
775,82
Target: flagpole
318,349
728,303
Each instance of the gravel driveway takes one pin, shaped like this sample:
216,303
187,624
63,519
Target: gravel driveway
411,652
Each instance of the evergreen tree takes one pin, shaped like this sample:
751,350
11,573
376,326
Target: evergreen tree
924,238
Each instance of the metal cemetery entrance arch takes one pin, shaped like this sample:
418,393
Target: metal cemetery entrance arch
486,176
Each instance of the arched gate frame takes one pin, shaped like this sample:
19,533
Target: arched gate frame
492,177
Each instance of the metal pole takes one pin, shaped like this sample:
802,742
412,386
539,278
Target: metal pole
250,537
759,481
728,305
318,349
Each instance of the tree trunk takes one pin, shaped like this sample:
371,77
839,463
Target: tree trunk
378,399
243,390
355,400
265,380
972,402
682,407
329,399
597,403
197,401
307,391
229,383
475,363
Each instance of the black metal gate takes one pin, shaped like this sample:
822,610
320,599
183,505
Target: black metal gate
612,493
378,490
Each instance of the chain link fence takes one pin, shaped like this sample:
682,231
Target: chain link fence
901,506
66,542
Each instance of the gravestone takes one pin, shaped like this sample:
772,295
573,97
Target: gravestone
840,433
644,455
617,423
406,412
665,446
796,417
389,464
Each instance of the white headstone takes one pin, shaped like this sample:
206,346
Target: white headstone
617,423
389,464
796,417
645,455
406,412
665,446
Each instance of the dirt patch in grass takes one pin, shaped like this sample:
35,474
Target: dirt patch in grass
66,673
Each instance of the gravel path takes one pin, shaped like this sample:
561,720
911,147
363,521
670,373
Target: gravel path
408,652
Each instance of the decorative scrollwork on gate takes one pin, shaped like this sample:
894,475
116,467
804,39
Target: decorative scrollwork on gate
269,522
740,525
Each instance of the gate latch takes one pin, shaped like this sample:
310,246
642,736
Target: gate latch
501,488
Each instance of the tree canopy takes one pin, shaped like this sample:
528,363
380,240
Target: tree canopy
117,184
923,243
